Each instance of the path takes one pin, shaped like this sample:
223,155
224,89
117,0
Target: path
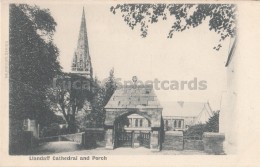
72,148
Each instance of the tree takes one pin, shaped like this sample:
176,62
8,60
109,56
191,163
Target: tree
69,95
212,124
33,60
101,97
110,86
33,64
221,17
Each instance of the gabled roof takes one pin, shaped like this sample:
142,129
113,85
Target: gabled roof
185,109
134,96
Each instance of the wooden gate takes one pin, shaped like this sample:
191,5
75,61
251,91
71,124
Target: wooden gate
145,139
124,139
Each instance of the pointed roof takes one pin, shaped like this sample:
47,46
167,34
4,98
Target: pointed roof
139,96
83,37
82,31
185,109
81,61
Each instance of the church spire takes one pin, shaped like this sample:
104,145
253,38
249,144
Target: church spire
81,62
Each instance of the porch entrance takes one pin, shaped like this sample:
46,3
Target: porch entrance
124,139
133,139
145,138
132,130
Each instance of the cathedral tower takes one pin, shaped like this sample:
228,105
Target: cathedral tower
81,63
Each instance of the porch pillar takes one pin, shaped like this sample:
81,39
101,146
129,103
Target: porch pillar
109,139
136,142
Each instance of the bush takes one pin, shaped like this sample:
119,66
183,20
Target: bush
52,130
211,126
195,130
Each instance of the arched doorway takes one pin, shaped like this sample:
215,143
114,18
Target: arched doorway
132,130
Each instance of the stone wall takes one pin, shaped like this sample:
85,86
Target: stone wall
213,142
72,137
93,137
77,137
173,140
193,144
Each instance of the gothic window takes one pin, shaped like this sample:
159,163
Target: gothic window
179,125
136,122
166,123
130,122
175,123
141,122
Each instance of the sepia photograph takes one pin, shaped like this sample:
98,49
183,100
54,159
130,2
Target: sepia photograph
92,80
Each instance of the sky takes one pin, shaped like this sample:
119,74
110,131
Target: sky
112,44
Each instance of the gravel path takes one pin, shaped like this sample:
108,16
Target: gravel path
72,148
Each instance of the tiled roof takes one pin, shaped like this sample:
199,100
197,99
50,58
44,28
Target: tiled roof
134,96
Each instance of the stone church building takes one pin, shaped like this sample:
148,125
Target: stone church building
134,115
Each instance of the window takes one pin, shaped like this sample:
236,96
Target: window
175,123
166,123
130,122
179,125
136,122
141,122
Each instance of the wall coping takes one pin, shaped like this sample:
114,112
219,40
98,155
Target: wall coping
174,133
213,135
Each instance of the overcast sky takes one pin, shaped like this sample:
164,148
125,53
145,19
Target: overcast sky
112,43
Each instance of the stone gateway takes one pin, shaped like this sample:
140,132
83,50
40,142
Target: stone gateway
134,118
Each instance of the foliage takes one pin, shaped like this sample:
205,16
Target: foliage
52,130
110,86
103,93
33,61
212,125
195,130
71,100
68,94
222,17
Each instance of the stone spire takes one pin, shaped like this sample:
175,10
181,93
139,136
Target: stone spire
81,62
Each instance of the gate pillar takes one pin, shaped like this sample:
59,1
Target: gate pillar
155,141
109,139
